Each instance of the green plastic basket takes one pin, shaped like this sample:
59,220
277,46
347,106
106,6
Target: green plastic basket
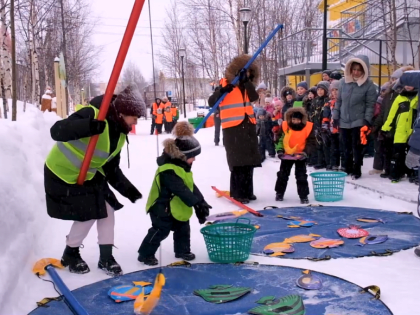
328,186
229,242
195,121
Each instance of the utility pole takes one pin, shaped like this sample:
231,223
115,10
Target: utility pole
324,38
64,47
13,37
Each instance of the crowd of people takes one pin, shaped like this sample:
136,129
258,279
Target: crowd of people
164,113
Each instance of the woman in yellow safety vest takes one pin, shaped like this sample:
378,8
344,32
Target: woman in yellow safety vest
93,201
239,127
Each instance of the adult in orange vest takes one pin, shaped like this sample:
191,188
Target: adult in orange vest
239,127
297,141
175,114
154,112
167,115
159,115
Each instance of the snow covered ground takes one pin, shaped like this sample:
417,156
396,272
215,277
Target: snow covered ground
28,234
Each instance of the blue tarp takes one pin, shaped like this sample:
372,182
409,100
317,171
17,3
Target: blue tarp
403,231
337,296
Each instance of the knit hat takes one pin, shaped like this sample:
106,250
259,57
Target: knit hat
385,86
323,85
303,84
261,86
288,92
185,142
327,72
397,74
268,99
297,114
313,90
335,75
334,85
261,112
277,102
130,103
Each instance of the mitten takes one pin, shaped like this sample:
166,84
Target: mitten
412,160
227,89
280,154
97,126
202,211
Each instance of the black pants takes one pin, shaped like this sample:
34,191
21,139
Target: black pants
353,149
266,143
161,227
323,149
335,149
398,168
378,158
217,125
168,126
159,128
241,182
369,148
152,128
300,174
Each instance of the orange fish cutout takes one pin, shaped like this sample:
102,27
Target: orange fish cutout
326,243
226,192
145,305
301,238
278,249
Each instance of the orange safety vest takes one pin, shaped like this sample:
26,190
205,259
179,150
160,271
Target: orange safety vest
159,113
234,107
168,112
295,141
155,107
173,110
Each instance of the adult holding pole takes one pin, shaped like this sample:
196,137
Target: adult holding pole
239,126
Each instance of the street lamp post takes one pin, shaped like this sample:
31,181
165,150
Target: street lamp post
324,38
245,17
83,96
182,53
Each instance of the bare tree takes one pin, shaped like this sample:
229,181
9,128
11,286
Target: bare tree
131,75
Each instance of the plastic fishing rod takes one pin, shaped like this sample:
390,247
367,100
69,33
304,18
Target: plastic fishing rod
236,80
77,308
116,71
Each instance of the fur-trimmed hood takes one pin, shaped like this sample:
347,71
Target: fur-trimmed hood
286,89
237,64
184,146
364,61
290,111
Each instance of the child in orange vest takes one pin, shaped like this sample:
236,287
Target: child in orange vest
296,142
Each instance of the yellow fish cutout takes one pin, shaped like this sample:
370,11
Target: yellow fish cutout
40,265
145,306
301,238
278,249
286,145
226,192
141,283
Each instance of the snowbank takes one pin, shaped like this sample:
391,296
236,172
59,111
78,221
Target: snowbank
24,144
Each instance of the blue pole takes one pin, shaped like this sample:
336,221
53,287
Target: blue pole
75,305
235,81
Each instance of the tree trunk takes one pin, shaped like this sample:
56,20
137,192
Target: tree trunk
12,32
3,94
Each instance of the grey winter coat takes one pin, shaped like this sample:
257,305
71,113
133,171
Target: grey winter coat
356,99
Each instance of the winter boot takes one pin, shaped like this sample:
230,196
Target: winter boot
335,168
304,200
71,257
329,168
107,262
150,261
417,251
357,172
384,175
185,256
374,172
319,166
279,197
242,200
252,197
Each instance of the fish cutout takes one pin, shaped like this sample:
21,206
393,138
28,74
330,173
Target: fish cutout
301,238
278,249
300,223
308,281
226,192
222,293
257,226
226,215
124,293
288,305
326,243
289,218
145,305
372,239
353,231
370,220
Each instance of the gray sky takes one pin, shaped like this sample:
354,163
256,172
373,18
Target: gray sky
112,17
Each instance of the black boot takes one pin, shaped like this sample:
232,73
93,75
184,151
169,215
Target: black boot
71,257
107,262
252,197
304,200
150,261
279,197
242,200
185,256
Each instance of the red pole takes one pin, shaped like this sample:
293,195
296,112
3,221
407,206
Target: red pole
122,53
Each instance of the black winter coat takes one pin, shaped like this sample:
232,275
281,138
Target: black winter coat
241,142
172,185
387,101
86,202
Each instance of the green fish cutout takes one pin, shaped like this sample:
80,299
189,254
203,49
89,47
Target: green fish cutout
222,293
288,305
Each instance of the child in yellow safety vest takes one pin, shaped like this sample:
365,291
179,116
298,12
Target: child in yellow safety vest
173,196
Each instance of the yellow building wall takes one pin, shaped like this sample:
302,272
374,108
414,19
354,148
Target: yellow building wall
374,73
293,80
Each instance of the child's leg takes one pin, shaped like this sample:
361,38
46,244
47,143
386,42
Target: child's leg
301,179
326,140
283,176
261,147
270,147
182,239
161,227
335,150
159,128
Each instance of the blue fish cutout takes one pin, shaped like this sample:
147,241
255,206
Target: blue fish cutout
308,281
124,293
372,239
